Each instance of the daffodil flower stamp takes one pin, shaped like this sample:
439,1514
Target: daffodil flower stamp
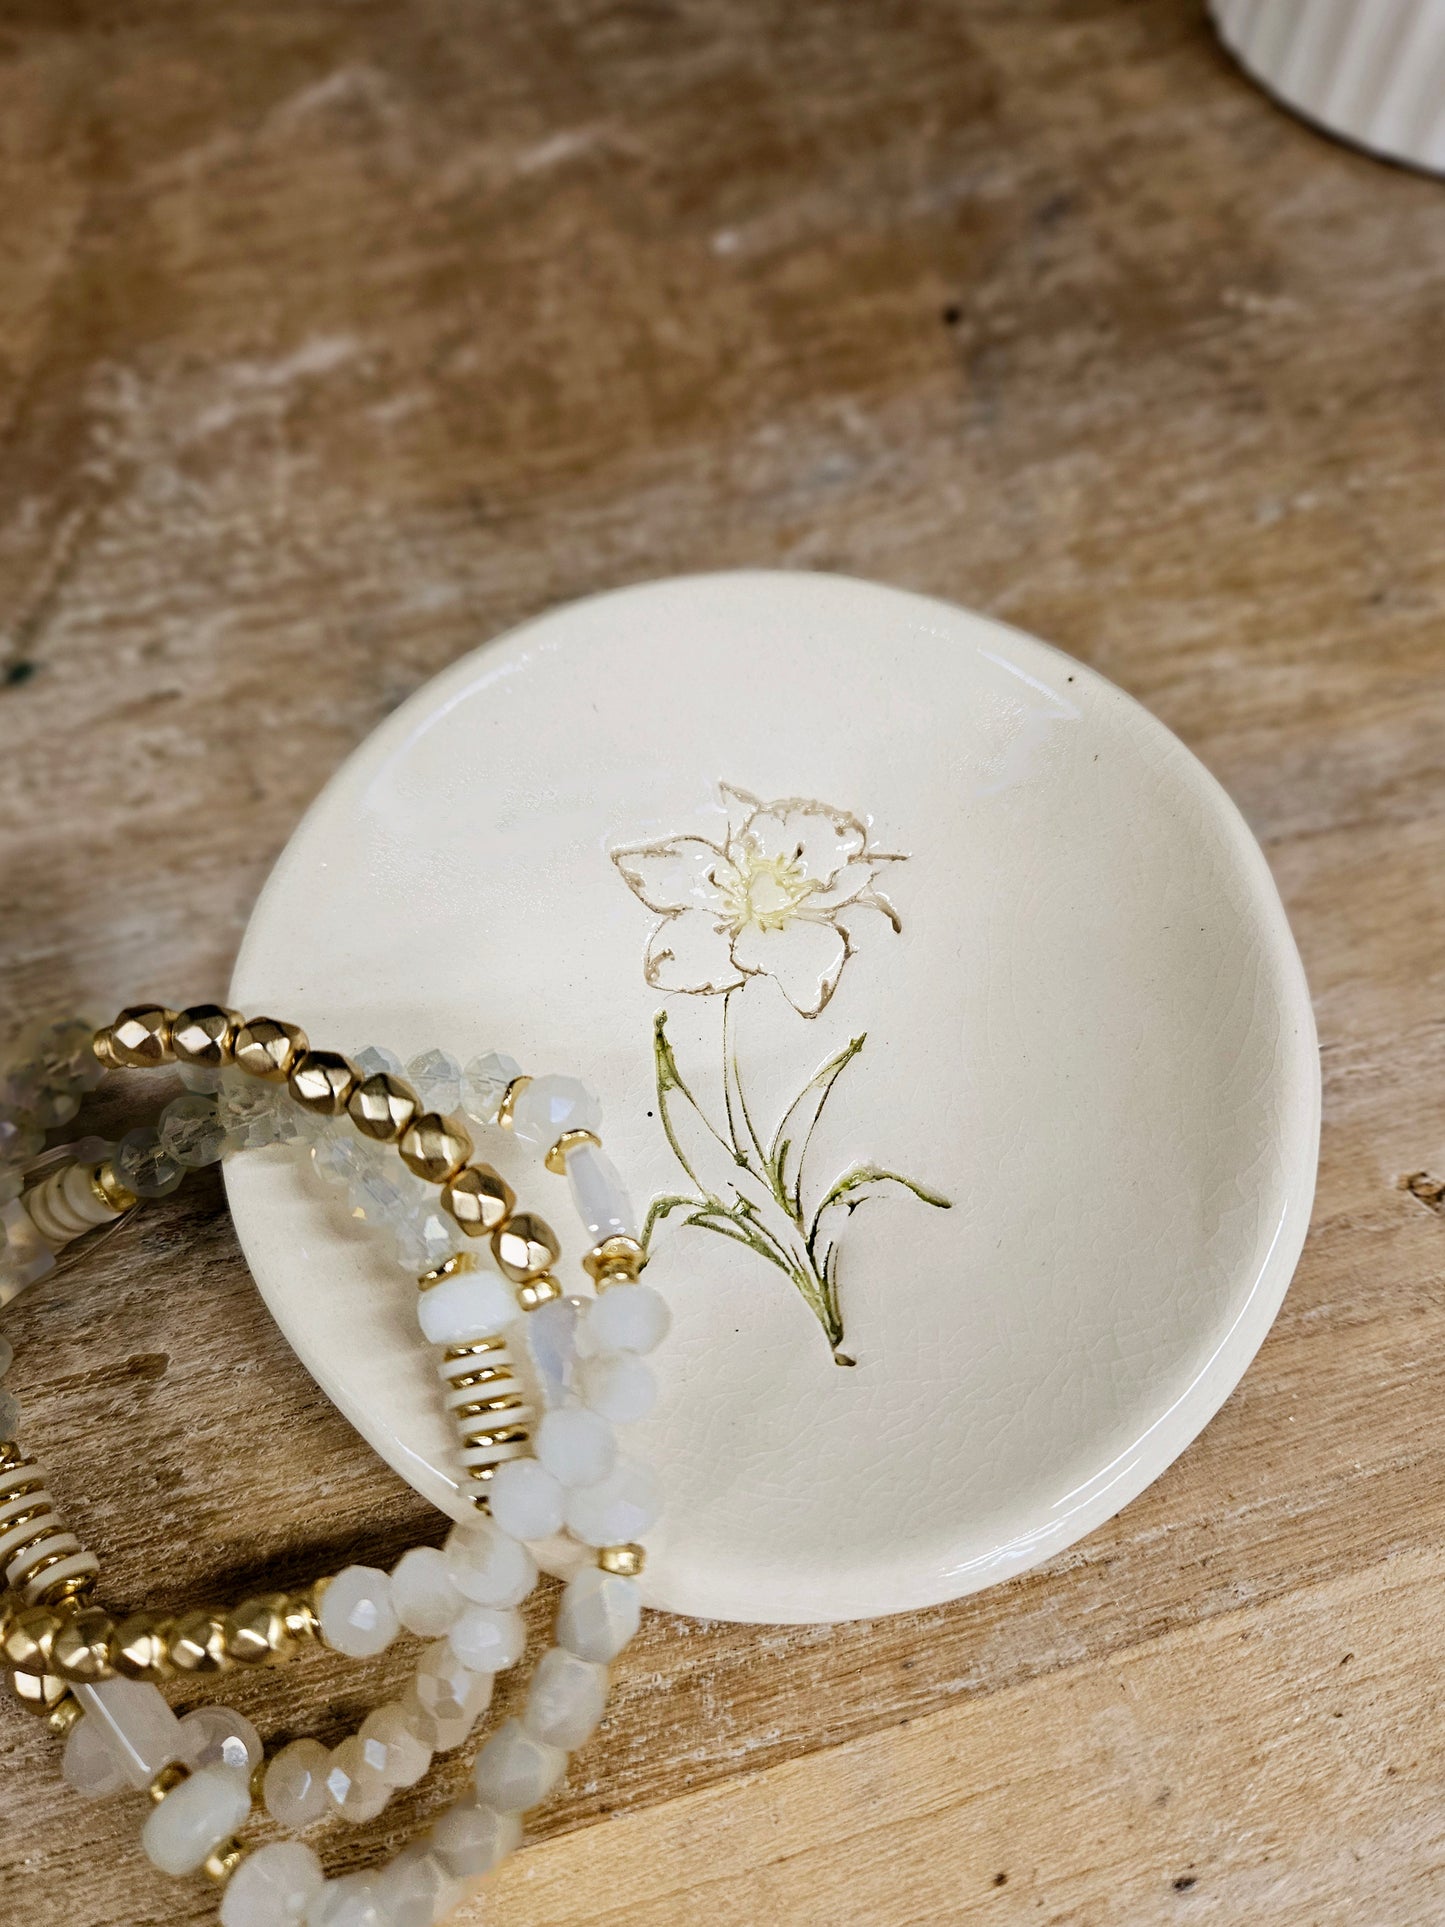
768,910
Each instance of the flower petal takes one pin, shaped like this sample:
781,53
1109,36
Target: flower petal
847,886
689,952
675,875
820,840
804,957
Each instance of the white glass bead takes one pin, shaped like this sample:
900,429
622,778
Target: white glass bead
618,1510
424,1595
437,1080
484,1084
141,1730
487,1639
565,1700
470,1838
191,1132
272,1887
356,1613
488,1566
89,1764
619,1385
447,1689
294,1788
376,1059
194,1819
599,1194
627,1318
576,1446
472,1304
514,1772
11,1185
416,1890
426,1237
550,1105
598,1614
219,1736
526,1500
392,1747
551,1340
440,1734
357,1791
7,1356
9,1415
351,1901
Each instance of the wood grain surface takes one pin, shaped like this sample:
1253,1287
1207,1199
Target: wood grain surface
334,338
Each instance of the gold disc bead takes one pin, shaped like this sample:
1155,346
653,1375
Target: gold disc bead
85,1646
198,1643
223,1861
538,1292
63,1715
303,1619
627,1561
524,1247
382,1107
480,1199
435,1147
143,1646
205,1034
109,1189
322,1081
268,1049
509,1102
616,1261
141,1036
256,1631
29,1638
556,1158
167,1780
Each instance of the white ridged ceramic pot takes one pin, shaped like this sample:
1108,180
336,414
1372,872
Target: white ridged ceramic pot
1371,71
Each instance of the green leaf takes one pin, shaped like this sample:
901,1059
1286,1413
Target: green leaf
663,1207
857,1186
798,1124
699,1147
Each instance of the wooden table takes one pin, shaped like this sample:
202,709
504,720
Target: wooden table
334,339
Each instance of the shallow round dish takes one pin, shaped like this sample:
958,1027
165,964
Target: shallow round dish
747,837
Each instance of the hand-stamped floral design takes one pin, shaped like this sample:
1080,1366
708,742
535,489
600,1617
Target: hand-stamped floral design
774,899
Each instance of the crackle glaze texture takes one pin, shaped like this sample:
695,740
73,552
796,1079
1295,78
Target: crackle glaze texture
334,340
1093,978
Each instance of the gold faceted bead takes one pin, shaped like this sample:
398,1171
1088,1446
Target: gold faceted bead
524,1247
205,1034
302,1619
538,1291
198,1643
104,1047
616,1261
38,1692
29,1639
382,1106
267,1048
627,1561
141,1036
322,1081
142,1646
480,1199
85,1646
257,1631
435,1147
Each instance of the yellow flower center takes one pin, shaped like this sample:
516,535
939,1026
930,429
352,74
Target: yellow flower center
766,890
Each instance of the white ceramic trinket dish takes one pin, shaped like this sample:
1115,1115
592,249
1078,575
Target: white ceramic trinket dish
940,1002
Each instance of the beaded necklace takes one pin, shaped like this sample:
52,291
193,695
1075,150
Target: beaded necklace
533,1379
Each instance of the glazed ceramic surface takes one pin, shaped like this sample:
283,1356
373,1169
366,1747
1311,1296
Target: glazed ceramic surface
942,1006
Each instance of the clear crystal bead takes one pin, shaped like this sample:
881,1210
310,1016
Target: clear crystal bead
375,1059
145,1166
425,1237
191,1132
63,1055
19,1141
254,1114
436,1078
628,1318
550,1105
485,1082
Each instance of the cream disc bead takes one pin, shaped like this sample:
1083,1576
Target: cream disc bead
356,1612
294,1789
393,1747
358,1792
515,1772
446,1689
599,1613
424,1593
487,1639
219,1736
273,1887
195,1818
